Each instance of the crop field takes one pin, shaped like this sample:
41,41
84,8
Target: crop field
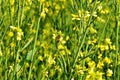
59,39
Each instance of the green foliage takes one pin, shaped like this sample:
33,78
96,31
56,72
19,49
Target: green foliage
59,39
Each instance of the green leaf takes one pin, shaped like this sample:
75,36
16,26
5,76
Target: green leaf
30,54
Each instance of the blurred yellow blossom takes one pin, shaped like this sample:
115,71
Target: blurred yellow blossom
103,47
12,44
107,60
67,38
60,46
0,52
51,60
91,64
100,64
43,14
109,72
107,40
27,65
94,14
92,30
13,28
75,17
10,34
112,47
40,58
12,2
100,19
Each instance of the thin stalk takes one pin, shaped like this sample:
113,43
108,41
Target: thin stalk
17,53
117,43
34,46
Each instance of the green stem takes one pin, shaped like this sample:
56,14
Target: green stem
34,46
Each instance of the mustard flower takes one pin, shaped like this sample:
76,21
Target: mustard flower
107,40
12,11
43,14
107,60
94,14
112,47
52,72
27,65
60,46
99,55
12,2
99,75
100,19
75,17
41,1
91,64
67,38
99,7
58,68
92,30
10,34
0,52
51,60
19,33
109,72
40,58
12,44
100,64
103,47
13,28
63,52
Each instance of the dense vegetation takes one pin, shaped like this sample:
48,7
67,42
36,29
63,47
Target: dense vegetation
59,39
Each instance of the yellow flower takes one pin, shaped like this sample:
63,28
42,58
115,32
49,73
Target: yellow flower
41,1
18,29
57,7
19,35
99,7
109,72
99,55
43,14
92,41
94,14
52,72
100,19
75,17
12,44
12,11
13,28
60,46
100,64
89,1
112,47
10,34
51,60
107,40
107,11
1,53
63,52
27,65
12,2
107,60
103,47
91,64
67,38
40,58
38,43
99,75
92,30
91,71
